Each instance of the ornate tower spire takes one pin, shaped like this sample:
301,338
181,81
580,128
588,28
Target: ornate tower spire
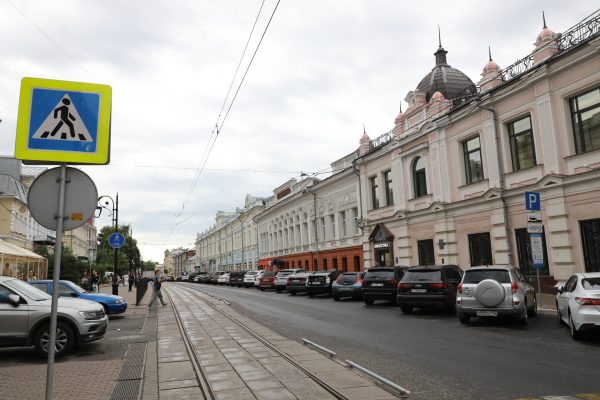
440,54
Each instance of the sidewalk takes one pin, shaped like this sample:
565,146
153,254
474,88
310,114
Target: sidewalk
235,364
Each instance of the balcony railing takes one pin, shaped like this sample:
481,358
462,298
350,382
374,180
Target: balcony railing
588,27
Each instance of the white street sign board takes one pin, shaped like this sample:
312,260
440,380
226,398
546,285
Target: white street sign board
534,217
535,227
537,251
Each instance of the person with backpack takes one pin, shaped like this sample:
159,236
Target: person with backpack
156,284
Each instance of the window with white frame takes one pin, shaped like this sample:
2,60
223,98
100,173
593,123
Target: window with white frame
374,195
419,177
343,227
522,148
473,161
389,191
585,116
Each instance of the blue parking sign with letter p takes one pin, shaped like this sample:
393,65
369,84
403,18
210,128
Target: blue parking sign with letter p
532,201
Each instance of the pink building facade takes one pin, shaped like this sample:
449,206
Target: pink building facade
447,185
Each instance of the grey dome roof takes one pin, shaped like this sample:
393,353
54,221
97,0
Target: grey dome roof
451,82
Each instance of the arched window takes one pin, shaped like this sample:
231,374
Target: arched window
419,178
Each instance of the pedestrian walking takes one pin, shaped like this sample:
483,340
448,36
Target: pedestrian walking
131,279
156,284
95,281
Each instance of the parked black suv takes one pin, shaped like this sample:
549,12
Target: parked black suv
429,286
320,282
381,283
236,278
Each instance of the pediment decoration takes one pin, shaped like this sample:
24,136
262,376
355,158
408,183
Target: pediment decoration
381,234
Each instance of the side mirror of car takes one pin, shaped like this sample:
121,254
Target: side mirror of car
14,299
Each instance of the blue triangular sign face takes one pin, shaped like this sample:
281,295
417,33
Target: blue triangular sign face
63,123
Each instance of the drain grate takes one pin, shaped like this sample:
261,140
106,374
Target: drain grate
126,390
130,373
133,361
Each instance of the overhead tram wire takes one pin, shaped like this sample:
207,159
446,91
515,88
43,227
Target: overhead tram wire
207,149
218,128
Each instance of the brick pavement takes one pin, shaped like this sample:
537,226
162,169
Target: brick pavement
88,373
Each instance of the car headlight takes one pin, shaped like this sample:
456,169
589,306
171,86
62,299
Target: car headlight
119,301
90,314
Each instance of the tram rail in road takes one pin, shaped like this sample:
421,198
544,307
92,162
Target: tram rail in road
191,293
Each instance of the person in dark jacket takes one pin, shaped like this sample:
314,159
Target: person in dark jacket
156,284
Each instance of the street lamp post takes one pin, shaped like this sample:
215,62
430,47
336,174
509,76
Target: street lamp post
115,220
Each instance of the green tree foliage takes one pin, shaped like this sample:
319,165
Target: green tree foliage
71,268
128,256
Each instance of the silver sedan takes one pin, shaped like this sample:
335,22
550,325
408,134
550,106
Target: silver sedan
578,303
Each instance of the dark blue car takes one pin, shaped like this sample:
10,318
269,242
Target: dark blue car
112,304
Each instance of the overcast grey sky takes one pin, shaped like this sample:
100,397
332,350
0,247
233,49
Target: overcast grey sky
324,68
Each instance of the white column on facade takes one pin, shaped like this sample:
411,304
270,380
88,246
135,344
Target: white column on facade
398,183
490,153
547,134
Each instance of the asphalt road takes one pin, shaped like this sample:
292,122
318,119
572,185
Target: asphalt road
430,352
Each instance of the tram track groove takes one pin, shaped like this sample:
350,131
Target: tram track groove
198,371
197,292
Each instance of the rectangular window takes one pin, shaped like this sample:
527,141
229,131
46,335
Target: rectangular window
426,252
323,228
389,191
522,148
333,231
473,162
355,214
585,116
343,229
590,238
374,196
480,249
524,253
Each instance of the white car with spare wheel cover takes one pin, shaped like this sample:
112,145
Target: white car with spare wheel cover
494,291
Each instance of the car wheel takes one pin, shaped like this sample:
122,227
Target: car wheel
523,319
65,339
575,334
534,309
262,289
293,293
464,319
369,302
406,309
278,290
559,315
336,298
311,295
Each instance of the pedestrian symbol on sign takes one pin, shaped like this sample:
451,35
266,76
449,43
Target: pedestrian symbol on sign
63,123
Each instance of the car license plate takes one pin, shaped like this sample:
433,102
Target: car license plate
345,289
487,313
317,283
419,290
377,284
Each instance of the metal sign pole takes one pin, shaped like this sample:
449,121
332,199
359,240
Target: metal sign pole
57,255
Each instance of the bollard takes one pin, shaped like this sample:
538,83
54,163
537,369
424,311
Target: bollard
141,284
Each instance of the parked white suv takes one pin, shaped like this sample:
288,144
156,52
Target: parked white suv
25,318
248,280
493,291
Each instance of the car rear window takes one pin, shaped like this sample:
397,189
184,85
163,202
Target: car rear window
347,278
250,273
379,274
591,283
500,275
425,275
269,273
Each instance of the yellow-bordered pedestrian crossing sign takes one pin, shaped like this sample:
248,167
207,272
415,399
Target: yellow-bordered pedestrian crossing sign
63,122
